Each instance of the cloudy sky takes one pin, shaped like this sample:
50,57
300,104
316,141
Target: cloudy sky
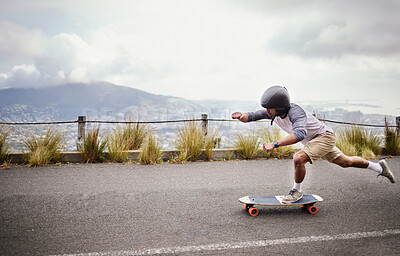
198,49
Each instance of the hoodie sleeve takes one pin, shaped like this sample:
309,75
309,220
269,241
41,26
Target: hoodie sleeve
298,117
258,115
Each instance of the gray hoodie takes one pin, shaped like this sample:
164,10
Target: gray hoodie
302,124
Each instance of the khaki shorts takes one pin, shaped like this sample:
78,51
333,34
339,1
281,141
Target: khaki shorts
322,146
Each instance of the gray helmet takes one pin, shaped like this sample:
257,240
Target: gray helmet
276,97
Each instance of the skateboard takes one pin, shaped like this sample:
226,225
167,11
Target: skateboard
307,202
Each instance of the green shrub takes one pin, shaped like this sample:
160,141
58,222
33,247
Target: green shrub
392,140
44,149
358,141
4,147
93,147
151,151
248,146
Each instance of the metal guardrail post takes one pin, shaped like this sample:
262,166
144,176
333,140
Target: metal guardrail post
204,123
81,132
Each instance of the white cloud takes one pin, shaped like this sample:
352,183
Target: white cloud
340,28
79,75
22,75
46,61
18,45
210,49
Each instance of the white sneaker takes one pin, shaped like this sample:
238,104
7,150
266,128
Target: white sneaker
386,171
293,196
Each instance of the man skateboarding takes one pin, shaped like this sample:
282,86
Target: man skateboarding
318,139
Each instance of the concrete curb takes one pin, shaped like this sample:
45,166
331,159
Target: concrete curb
76,157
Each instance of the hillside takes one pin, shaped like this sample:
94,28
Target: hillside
70,100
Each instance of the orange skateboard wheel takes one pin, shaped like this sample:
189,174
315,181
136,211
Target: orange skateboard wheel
248,206
312,209
253,211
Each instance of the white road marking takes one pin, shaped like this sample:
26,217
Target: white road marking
243,245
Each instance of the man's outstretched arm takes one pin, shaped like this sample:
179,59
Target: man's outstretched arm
243,117
251,116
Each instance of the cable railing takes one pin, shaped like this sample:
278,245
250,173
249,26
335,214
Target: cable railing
181,121
76,137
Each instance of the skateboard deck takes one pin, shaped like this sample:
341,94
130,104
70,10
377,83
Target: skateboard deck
307,202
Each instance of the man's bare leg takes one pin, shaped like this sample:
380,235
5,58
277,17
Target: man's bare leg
354,161
300,160
351,161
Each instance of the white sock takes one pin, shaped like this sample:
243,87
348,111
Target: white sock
375,167
297,186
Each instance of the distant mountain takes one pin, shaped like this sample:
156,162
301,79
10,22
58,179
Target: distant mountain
68,100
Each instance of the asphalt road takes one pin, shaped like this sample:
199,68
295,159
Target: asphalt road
193,209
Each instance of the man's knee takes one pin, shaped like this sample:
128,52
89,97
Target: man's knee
300,158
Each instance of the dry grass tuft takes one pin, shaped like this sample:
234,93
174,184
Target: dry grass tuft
117,145
135,133
248,146
191,141
44,149
392,140
151,151
93,147
356,141
4,147
269,135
